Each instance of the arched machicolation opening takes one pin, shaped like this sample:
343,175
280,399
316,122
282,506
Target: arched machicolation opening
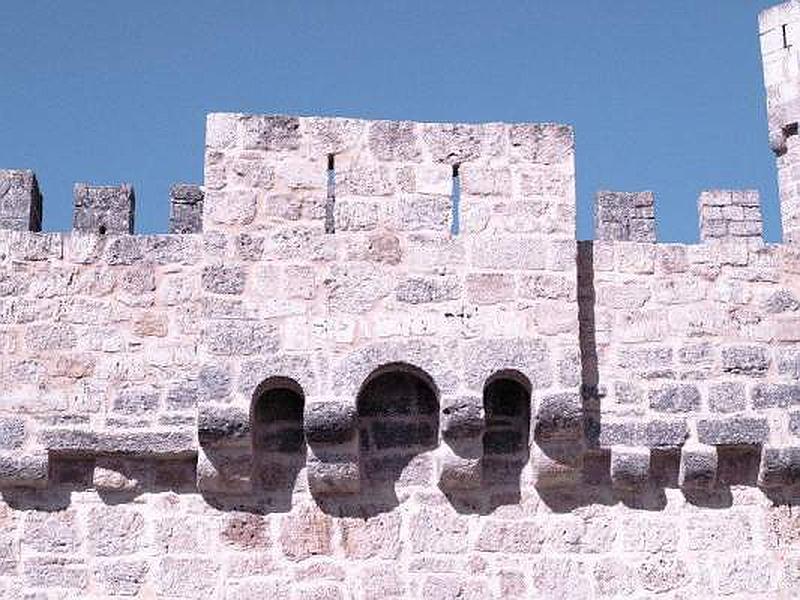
279,445
398,412
507,409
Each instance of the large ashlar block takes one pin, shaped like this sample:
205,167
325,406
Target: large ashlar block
20,201
103,209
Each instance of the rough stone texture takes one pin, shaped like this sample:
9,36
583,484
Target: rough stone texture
103,209
255,408
20,201
186,208
730,214
625,216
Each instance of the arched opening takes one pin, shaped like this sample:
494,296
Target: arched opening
507,410
398,412
279,446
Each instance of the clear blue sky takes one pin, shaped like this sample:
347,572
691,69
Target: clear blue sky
664,95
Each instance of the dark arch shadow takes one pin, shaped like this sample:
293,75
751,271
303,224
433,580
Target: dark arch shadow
278,443
398,422
506,440
272,456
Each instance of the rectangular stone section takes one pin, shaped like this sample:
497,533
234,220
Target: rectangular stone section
625,216
103,209
186,208
730,214
20,201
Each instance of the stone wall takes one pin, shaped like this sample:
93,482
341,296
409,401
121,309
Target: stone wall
372,361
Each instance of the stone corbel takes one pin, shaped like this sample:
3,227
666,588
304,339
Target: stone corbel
460,461
331,430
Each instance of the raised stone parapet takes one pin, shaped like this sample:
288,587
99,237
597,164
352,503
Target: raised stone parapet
103,209
20,201
625,216
730,214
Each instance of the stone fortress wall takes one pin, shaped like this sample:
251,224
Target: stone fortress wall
371,361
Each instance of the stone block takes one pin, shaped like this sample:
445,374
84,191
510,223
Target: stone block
219,424
733,431
270,132
186,208
121,577
103,209
330,422
726,397
698,467
775,395
426,290
306,532
225,471
193,576
330,473
675,398
137,401
13,432
235,337
24,470
745,360
56,532
542,143
115,530
559,416
373,537
779,467
221,279
84,442
438,529
394,141
458,472
20,201
463,418
630,467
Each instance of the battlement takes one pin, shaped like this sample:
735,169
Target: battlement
380,340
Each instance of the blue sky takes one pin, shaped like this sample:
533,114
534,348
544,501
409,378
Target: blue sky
664,95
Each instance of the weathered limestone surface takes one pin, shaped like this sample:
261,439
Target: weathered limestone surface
250,407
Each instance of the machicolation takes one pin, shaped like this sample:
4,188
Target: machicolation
371,360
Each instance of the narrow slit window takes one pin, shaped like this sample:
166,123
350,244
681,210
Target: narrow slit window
785,36
330,199
455,197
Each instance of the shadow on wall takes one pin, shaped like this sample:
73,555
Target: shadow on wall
398,408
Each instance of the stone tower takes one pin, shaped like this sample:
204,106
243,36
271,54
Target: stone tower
779,32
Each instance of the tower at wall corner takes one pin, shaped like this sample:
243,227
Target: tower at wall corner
779,34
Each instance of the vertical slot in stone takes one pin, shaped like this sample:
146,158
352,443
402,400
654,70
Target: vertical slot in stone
330,200
455,197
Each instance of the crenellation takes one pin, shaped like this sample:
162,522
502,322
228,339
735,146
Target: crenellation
103,209
20,201
625,216
730,214
186,208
